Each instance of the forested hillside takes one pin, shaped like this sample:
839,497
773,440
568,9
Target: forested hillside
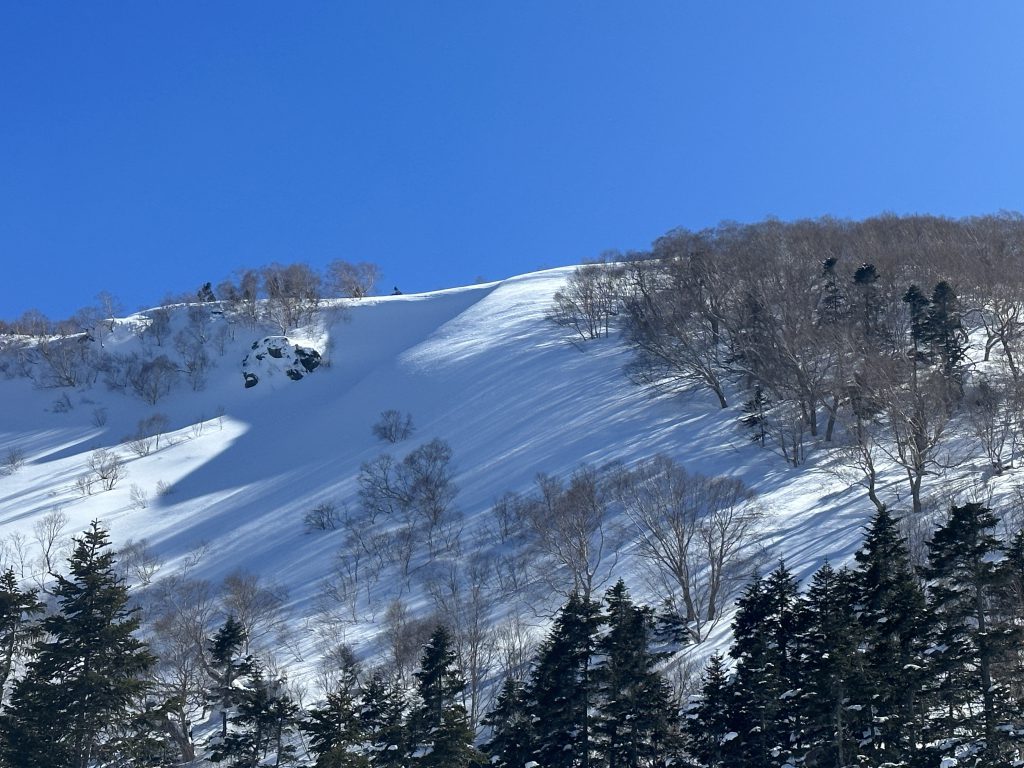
747,499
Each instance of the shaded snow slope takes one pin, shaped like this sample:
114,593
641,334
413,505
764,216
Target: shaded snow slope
479,367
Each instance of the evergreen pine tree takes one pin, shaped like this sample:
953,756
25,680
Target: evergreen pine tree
1011,603
382,718
142,740
832,302
265,717
864,279
971,637
510,744
336,730
764,702
226,665
440,731
18,631
87,669
945,332
917,305
830,669
284,719
711,735
562,689
756,419
894,638
635,723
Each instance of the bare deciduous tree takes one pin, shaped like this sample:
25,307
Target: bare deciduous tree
419,491
673,326
138,497
259,608
861,452
293,294
354,280
994,408
325,516
463,598
147,435
52,543
916,420
84,483
181,612
695,534
517,643
159,326
191,348
381,489
138,562
154,379
65,360
588,302
19,554
107,467
242,299
393,426
109,307
405,637
571,525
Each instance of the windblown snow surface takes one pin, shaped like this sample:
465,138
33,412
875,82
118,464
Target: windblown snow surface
479,367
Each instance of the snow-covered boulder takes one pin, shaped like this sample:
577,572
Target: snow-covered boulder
277,354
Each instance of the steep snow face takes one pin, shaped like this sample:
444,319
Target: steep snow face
237,469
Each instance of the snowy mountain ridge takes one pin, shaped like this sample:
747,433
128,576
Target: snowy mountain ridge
237,469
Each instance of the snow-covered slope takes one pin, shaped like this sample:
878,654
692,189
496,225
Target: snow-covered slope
479,367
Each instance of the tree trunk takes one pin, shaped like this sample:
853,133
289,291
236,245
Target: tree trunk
180,736
915,490
717,389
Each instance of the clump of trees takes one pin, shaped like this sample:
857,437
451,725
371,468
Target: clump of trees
853,336
594,697
181,338
589,301
878,664
693,534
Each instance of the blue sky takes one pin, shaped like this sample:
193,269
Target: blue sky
146,147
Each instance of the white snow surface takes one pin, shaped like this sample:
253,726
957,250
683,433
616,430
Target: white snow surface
479,367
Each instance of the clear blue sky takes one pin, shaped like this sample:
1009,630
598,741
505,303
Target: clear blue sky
146,147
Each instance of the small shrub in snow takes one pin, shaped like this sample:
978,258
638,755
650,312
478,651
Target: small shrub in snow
107,467
139,497
138,562
14,460
163,488
393,426
140,446
62,404
147,435
84,483
99,417
322,517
